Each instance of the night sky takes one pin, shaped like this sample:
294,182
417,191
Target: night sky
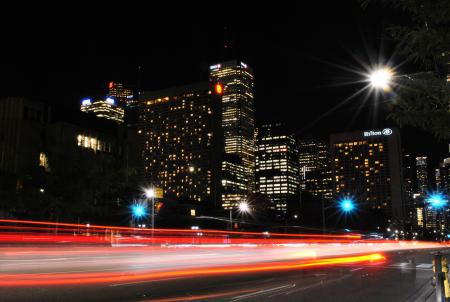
294,50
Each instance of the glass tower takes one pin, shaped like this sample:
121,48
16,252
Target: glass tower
233,80
315,168
277,167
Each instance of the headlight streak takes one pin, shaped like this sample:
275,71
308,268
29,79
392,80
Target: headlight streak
9,280
54,250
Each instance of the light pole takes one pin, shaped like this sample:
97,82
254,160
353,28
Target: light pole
243,207
150,194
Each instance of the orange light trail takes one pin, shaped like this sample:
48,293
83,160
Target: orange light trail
10,280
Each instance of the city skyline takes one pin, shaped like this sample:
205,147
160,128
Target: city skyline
225,151
180,58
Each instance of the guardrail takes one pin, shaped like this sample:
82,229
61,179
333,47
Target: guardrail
440,278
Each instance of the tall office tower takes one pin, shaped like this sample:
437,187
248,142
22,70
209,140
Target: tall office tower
315,168
422,174
277,169
409,174
437,178
430,214
413,204
107,108
233,80
123,95
442,187
182,142
444,172
367,166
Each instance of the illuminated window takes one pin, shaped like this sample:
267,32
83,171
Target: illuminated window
43,161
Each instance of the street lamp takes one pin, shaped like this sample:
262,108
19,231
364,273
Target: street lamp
243,207
138,211
150,194
381,78
438,202
347,205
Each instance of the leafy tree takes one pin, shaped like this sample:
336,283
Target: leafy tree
424,38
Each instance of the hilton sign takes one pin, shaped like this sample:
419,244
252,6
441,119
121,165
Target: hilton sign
386,131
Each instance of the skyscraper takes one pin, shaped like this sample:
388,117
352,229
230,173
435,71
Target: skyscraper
409,174
182,142
367,166
123,95
233,80
422,174
107,108
430,214
444,172
411,205
315,168
435,217
277,169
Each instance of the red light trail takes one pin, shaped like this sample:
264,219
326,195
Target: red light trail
38,253
7,280
173,231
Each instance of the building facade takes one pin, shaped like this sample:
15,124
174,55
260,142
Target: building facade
423,185
180,129
234,82
422,174
412,203
22,129
444,173
367,166
123,95
277,167
108,109
315,168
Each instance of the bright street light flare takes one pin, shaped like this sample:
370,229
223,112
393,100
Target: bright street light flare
149,193
347,205
381,78
243,207
436,200
138,210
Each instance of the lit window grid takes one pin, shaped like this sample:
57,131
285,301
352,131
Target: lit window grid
277,169
361,168
93,143
238,127
178,139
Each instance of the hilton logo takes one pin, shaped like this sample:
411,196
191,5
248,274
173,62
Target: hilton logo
386,131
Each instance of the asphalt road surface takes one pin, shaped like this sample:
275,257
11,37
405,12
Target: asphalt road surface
405,275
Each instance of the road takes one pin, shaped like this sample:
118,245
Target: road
243,272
